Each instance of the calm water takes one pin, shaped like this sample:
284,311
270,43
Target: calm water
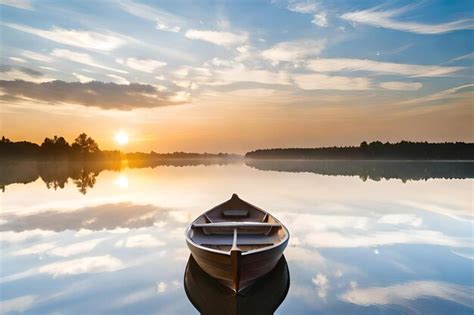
365,238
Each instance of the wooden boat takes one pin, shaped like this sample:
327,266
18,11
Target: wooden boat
236,242
210,297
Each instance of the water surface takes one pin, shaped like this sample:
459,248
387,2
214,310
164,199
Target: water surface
365,238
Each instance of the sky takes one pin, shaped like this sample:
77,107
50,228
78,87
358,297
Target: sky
233,76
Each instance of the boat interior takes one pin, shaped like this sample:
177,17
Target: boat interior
236,225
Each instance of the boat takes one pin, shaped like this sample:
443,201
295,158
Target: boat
236,242
210,297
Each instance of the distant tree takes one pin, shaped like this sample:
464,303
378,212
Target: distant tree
85,144
55,146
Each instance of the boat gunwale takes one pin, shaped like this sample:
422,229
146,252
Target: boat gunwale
253,251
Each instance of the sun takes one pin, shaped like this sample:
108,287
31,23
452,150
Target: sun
121,137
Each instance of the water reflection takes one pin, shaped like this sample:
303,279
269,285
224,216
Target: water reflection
55,174
373,247
102,217
83,174
210,297
374,170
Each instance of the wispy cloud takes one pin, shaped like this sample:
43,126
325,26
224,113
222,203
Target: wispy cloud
345,64
18,304
401,219
294,51
303,6
94,264
386,18
75,248
326,82
217,37
82,58
144,65
404,294
469,56
442,95
140,241
17,59
78,38
22,73
36,56
165,21
401,86
19,4
118,79
241,73
102,217
34,250
382,238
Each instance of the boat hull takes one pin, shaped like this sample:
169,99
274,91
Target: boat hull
241,273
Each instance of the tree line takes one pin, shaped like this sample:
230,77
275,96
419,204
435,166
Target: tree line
376,150
83,147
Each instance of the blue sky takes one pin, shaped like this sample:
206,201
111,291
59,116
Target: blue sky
301,58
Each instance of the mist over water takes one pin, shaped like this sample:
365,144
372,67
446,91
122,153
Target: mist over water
366,237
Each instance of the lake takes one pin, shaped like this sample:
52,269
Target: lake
366,237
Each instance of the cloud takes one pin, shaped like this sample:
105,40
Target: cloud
165,21
399,219
63,251
161,287
144,65
217,37
469,255
386,19
81,58
78,38
240,73
404,294
325,82
19,237
346,64
18,59
442,95
82,78
381,238
303,6
401,86
19,4
118,79
140,241
94,264
34,250
320,19
76,248
293,51
469,56
97,94
322,284
36,56
49,68
19,304
103,217
22,73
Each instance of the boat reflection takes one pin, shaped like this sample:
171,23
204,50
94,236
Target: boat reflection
210,297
